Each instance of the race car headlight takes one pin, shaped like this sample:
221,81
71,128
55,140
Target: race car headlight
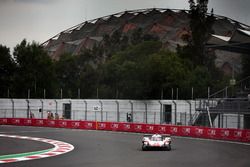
145,143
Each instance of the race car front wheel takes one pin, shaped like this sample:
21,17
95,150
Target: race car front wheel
168,148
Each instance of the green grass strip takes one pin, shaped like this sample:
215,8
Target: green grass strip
10,156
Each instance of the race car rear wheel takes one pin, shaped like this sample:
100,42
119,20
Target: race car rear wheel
143,148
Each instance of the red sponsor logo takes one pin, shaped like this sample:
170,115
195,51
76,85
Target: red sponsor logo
138,127
162,129
3,121
126,126
248,135
101,125
225,133
27,121
89,125
75,124
211,132
173,130
150,128
16,121
51,123
63,123
114,126
237,134
39,122
186,131
199,131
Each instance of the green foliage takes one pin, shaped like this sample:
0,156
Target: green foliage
67,75
7,68
120,67
201,28
34,71
76,72
144,70
245,66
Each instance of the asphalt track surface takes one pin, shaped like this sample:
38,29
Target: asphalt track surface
113,149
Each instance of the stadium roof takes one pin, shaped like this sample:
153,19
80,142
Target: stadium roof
168,24
238,42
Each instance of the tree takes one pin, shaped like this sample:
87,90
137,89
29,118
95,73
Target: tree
88,76
245,66
142,71
67,75
34,71
165,70
201,28
7,69
123,74
77,72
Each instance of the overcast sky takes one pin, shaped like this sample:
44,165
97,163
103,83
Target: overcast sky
39,20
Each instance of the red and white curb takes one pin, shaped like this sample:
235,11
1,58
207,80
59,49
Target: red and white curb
58,149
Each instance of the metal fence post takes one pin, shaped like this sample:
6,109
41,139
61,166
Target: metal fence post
101,109
185,119
28,108
161,112
132,111
222,121
61,93
177,93
238,115
190,112
13,108
154,117
41,108
175,112
44,93
56,106
118,112
219,120
28,94
146,112
172,93
86,107
226,121
73,113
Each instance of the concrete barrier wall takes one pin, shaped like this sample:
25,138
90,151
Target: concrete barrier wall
112,110
148,111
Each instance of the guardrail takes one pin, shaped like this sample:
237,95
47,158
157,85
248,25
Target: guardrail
188,131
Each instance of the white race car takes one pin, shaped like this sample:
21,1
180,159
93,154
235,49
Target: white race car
156,141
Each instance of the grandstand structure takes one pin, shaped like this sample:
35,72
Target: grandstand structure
232,101
230,39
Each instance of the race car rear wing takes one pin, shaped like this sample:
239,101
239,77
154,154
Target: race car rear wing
147,135
150,135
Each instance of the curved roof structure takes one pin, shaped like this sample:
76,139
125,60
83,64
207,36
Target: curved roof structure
167,24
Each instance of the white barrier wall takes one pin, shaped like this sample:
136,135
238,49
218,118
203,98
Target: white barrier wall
143,111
